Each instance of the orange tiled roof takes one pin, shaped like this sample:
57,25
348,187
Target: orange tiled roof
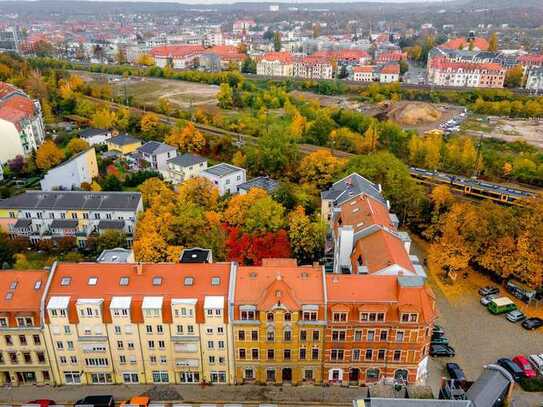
14,107
283,57
176,51
27,293
531,59
140,284
280,281
363,211
443,63
456,43
364,69
391,69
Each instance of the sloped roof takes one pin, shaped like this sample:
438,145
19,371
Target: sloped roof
351,186
187,160
461,42
26,288
155,147
176,51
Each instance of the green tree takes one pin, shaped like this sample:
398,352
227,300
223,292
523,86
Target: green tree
277,41
110,239
514,76
111,183
306,236
248,65
319,130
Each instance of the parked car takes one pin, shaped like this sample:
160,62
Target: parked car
441,350
441,340
42,402
537,362
523,363
489,289
521,291
511,367
487,298
438,331
96,401
137,401
532,323
515,316
455,371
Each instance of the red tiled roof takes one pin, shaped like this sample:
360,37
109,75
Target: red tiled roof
391,56
176,51
363,69
140,284
15,107
363,211
341,54
391,69
456,43
226,52
20,294
283,57
443,63
314,60
531,59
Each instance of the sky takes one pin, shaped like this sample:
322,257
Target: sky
291,2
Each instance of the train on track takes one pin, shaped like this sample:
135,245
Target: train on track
473,186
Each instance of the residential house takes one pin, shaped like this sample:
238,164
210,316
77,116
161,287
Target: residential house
95,136
38,215
266,183
226,177
157,155
185,166
177,56
364,73
313,68
443,72
226,55
389,73
21,124
278,320
138,323
117,255
276,64
23,354
378,329
71,174
123,143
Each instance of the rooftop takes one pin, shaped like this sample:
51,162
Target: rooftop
117,255
266,183
351,186
91,132
21,290
187,160
223,169
123,140
154,147
65,200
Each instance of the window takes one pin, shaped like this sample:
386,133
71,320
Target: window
152,359
413,317
254,354
242,354
247,315
60,345
302,353
309,316
384,335
210,344
163,360
26,357
356,354
271,354
37,285
24,321
72,377
287,335
3,322
315,354
63,360
218,377
399,336
339,316
303,335
120,345
270,336
221,344
316,335
73,360
241,335
65,281
160,377
254,335
161,344
36,339
151,344
308,374
338,335
190,329
189,281
336,354
159,329
357,336
149,329
371,336
286,354
41,357
369,354
397,355
179,329
381,354
288,316
117,330
215,281
123,281
22,340
209,331
157,280
92,281
122,359
212,359
70,345
269,317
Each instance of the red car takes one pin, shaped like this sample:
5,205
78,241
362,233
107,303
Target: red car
526,367
42,402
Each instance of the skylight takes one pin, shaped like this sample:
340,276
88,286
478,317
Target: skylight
93,280
215,280
37,285
189,281
157,280
9,295
64,281
123,281
13,285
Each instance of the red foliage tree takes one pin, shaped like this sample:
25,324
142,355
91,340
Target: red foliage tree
250,250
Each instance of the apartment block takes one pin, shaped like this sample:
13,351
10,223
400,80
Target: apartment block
278,319
38,215
23,354
276,64
138,323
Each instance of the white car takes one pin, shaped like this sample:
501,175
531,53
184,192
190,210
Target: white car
537,362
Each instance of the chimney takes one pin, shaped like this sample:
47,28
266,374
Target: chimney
139,269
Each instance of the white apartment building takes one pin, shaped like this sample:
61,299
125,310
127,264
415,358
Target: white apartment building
226,177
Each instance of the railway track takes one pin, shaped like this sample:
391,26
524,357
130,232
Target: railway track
466,187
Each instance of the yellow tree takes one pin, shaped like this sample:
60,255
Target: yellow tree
370,138
507,168
298,126
145,59
76,145
238,206
432,151
187,139
153,190
104,118
48,155
493,42
149,123
319,168
200,191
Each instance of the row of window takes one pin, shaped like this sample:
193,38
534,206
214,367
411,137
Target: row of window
26,357
339,354
22,322
340,335
252,316
22,339
243,354
96,215
270,335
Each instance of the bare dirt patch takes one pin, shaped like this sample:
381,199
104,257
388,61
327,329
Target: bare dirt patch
511,130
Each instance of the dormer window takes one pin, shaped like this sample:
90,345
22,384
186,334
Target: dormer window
37,285
9,295
123,281
92,281
189,281
65,281
215,281
13,285
157,281
248,315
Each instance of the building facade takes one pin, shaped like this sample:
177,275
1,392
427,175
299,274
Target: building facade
79,169
21,123
225,177
157,155
313,68
38,215
276,64
185,166
278,319
24,358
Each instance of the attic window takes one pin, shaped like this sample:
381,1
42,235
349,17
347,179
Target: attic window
13,285
252,274
64,281
215,280
123,281
189,281
305,275
37,285
9,295
93,280
157,281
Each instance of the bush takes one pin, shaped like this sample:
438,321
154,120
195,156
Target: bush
534,384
